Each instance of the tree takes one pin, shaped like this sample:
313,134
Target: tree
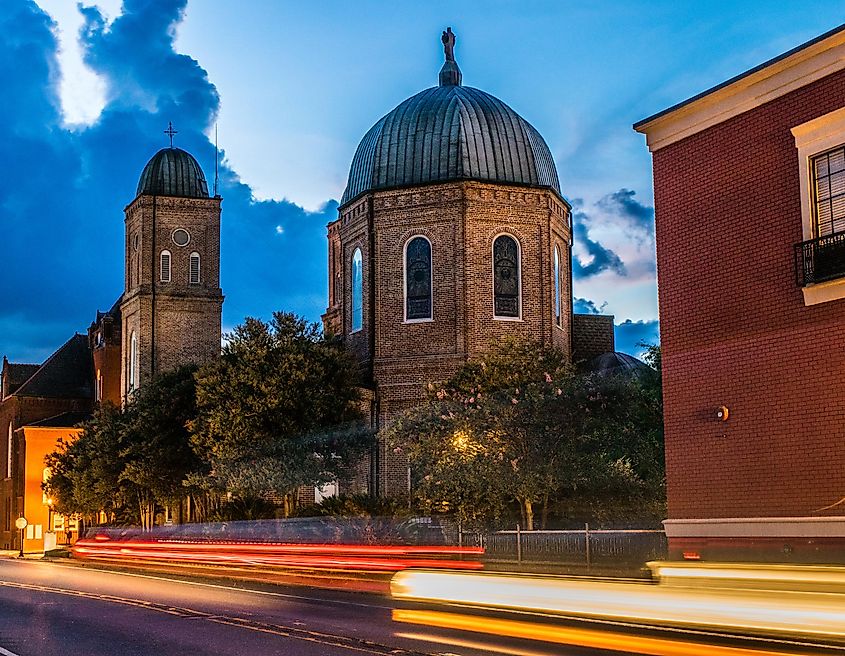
126,461
519,424
280,409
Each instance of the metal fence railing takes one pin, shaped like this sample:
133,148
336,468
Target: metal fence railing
583,547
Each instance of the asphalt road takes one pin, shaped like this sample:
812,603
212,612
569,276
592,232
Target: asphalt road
63,609
56,609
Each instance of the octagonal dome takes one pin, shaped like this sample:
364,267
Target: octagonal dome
173,172
450,132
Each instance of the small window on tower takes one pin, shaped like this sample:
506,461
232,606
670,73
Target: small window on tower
180,237
194,278
165,266
357,291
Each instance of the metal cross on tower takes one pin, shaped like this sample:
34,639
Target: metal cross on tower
170,132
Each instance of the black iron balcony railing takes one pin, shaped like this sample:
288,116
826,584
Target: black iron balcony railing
820,259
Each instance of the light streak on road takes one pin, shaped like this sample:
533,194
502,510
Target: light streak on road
389,558
796,615
591,638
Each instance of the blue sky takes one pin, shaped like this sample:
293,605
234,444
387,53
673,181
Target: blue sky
293,86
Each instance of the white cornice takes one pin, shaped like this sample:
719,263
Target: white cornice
782,76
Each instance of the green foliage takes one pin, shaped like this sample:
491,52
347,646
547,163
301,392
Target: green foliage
279,409
128,460
246,508
356,505
518,425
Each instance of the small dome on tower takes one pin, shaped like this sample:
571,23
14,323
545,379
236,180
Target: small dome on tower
173,172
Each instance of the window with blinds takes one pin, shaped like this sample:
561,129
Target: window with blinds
194,275
829,191
165,266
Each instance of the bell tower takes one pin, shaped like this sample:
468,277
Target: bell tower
172,302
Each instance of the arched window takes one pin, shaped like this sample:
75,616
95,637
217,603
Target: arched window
9,453
194,276
418,281
133,362
557,287
98,389
357,290
165,266
506,275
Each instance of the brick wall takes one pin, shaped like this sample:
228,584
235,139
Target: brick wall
734,327
187,317
461,220
592,335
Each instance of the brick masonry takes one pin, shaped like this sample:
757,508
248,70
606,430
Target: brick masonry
734,327
461,220
175,322
592,335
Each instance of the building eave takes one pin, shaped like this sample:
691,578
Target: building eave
776,77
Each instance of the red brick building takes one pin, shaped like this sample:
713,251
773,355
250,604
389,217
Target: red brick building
749,181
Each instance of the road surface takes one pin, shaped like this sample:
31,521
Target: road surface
63,609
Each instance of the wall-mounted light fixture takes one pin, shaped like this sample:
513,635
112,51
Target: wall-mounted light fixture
722,413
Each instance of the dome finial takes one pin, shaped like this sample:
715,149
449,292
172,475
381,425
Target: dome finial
450,74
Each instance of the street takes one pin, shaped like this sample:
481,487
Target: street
61,608
49,608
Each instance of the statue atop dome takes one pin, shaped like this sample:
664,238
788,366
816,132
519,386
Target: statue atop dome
450,74
448,40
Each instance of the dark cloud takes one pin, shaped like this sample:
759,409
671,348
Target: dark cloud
63,191
586,306
598,257
616,215
629,335
623,204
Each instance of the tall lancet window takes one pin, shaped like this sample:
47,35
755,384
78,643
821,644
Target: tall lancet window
133,362
506,274
557,288
418,279
357,290
194,273
165,266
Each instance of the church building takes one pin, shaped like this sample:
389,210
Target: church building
168,315
452,232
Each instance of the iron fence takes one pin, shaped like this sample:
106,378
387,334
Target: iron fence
584,547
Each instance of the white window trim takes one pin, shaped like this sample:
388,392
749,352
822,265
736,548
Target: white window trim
169,266
352,328
496,317
430,318
814,138
196,255
558,291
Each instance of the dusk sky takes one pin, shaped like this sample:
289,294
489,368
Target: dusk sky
293,86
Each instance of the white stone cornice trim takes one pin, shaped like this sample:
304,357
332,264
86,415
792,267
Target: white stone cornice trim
782,76
756,527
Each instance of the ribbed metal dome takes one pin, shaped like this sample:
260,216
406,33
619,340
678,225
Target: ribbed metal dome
450,132
173,172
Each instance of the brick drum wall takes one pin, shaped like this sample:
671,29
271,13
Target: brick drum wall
734,327
461,220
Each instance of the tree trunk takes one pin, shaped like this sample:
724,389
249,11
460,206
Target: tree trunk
545,512
529,514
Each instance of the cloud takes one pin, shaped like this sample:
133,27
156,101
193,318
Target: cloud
586,306
597,257
629,335
61,204
614,235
